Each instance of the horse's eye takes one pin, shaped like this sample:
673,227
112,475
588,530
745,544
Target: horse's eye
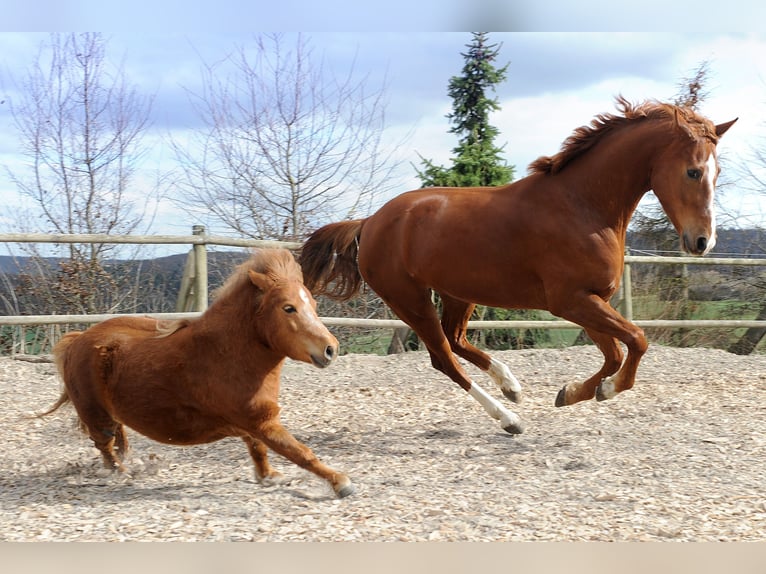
694,173
289,309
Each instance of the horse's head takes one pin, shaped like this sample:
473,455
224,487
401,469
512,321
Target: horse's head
684,178
289,320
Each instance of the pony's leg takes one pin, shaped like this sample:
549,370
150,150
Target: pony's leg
603,322
121,444
104,431
576,392
264,472
104,434
419,313
271,432
455,316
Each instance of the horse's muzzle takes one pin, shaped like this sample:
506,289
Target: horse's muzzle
321,361
697,244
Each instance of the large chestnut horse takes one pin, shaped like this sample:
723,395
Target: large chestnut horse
553,240
197,381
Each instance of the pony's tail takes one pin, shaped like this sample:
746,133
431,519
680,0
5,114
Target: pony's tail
328,260
59,356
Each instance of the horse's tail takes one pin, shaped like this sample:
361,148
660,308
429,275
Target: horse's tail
328,260
59,356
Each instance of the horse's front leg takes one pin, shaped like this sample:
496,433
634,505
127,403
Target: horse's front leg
606,327
576,392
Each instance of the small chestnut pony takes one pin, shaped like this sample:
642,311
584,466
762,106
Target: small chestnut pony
197,381
553,240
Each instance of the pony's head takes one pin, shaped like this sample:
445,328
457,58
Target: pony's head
684,177
285,315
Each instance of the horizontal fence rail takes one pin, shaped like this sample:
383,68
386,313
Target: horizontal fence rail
199,238
390,323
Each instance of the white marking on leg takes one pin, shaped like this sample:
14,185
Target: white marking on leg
504,379
608,390
509,420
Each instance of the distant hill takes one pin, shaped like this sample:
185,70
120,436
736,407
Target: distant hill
730,242
12,265
159,278
741,242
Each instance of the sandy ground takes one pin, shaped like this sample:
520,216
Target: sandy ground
680,457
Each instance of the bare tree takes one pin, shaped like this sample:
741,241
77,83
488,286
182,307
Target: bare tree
286,143
80,126
753,171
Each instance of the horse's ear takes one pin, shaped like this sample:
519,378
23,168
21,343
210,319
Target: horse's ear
721,129
260,280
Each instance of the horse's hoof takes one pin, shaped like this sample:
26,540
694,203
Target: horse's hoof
605,391
513,396
513,427
511,423
561,398
345,490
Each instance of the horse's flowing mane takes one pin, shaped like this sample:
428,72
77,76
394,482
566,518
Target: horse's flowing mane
279,264
585,137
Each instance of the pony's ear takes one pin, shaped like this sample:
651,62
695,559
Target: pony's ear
260,280
721,129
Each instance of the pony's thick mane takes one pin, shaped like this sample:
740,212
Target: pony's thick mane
279,264
585,137
276,263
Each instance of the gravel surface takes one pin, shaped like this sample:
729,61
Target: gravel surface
680,457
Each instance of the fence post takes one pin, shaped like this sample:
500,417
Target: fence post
200,268
627,289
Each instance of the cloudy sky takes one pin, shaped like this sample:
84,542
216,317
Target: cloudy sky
556,82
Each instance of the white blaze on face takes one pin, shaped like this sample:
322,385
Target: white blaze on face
309,313
712,172
304,295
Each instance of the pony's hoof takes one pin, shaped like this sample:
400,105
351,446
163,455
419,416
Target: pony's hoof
345,490
561,398
274,478
513,396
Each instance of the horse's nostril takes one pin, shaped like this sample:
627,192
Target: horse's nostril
701,244
329,352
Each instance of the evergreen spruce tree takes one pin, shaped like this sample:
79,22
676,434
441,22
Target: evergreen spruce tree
477,160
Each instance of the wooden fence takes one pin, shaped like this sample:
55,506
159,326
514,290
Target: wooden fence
194,285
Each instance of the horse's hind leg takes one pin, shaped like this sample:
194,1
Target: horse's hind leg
455,316
414,307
